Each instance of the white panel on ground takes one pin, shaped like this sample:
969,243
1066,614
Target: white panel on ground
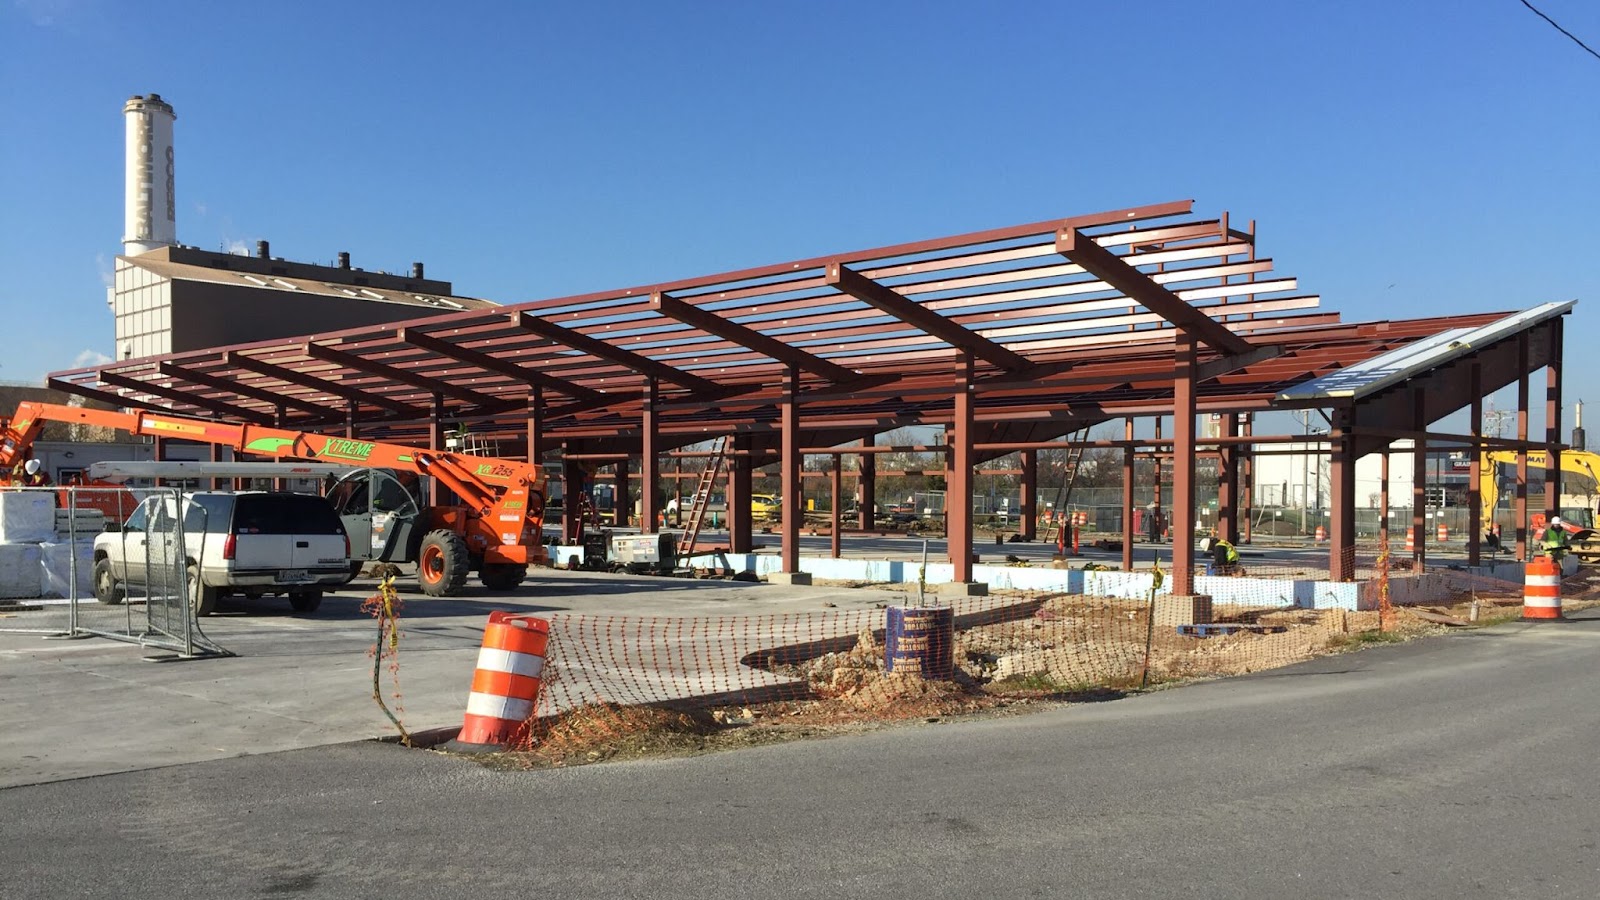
55,569
19,571
27,516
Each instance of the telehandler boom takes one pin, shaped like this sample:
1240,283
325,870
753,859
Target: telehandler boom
497,529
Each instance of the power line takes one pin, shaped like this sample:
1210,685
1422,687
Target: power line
1560,29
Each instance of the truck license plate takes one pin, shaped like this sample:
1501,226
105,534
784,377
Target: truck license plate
293,576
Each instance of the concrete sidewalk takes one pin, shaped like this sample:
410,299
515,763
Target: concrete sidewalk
76,708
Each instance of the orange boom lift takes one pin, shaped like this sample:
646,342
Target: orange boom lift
496,530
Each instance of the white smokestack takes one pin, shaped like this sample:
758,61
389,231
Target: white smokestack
150,214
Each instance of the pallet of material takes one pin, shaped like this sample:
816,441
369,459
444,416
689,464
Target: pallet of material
27,517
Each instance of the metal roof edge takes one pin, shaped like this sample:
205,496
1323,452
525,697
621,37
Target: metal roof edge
1402,363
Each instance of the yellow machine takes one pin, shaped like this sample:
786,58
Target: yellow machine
1579,519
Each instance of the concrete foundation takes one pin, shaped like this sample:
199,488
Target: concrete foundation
1188,609
801,578
962,589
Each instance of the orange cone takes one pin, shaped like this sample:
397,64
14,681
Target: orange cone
1541,590
505,686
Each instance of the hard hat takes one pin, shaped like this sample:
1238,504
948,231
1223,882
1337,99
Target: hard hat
31,467
1555,520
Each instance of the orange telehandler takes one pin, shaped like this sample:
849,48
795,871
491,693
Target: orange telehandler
497,529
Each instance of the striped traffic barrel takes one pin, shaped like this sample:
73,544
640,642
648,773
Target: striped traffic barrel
1442,532
1541,590
505,686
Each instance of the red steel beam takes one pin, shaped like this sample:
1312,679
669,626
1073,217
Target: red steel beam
271,398
115,401
392,373
491,363
236,360
711,323
915,314
190,397
1114,270
599,349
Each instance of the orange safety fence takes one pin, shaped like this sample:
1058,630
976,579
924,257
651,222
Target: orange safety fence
831,664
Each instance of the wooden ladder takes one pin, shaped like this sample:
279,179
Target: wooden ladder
702,497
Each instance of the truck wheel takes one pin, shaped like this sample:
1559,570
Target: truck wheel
502,576
106,588
443,563
305,601
201,597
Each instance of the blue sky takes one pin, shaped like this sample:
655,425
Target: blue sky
1403,159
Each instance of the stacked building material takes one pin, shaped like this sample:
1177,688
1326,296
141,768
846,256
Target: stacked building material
56,573
27,520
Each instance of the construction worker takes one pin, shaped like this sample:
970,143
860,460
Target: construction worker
1555,540
33,474
1224,558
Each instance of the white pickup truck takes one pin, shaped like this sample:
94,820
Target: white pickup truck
248,543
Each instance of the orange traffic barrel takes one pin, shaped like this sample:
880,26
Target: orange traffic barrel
1541,590
1443,532
1322,533
1411,542
505,686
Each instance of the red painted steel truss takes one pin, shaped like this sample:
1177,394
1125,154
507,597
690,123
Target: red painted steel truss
1008,338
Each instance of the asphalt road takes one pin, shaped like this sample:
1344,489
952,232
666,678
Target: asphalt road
1452,767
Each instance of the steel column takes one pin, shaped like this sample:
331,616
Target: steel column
867,488
435,442
1028,509
1475,470
622,496
1183,413
789,469
1519,506
650,504
350,407
1342,490
216,457
1127,496
279,420
958,484
1419,483
572,487
1383,500
1247,475
1552,423
1228,481
535,424
741,474
835,503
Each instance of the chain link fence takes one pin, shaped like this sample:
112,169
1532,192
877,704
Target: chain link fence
107,562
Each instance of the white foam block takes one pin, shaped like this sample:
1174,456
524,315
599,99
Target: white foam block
19,571
55,569
27,517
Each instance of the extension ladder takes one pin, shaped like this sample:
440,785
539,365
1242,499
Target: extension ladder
702,497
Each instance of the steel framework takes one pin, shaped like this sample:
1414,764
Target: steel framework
1008,339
